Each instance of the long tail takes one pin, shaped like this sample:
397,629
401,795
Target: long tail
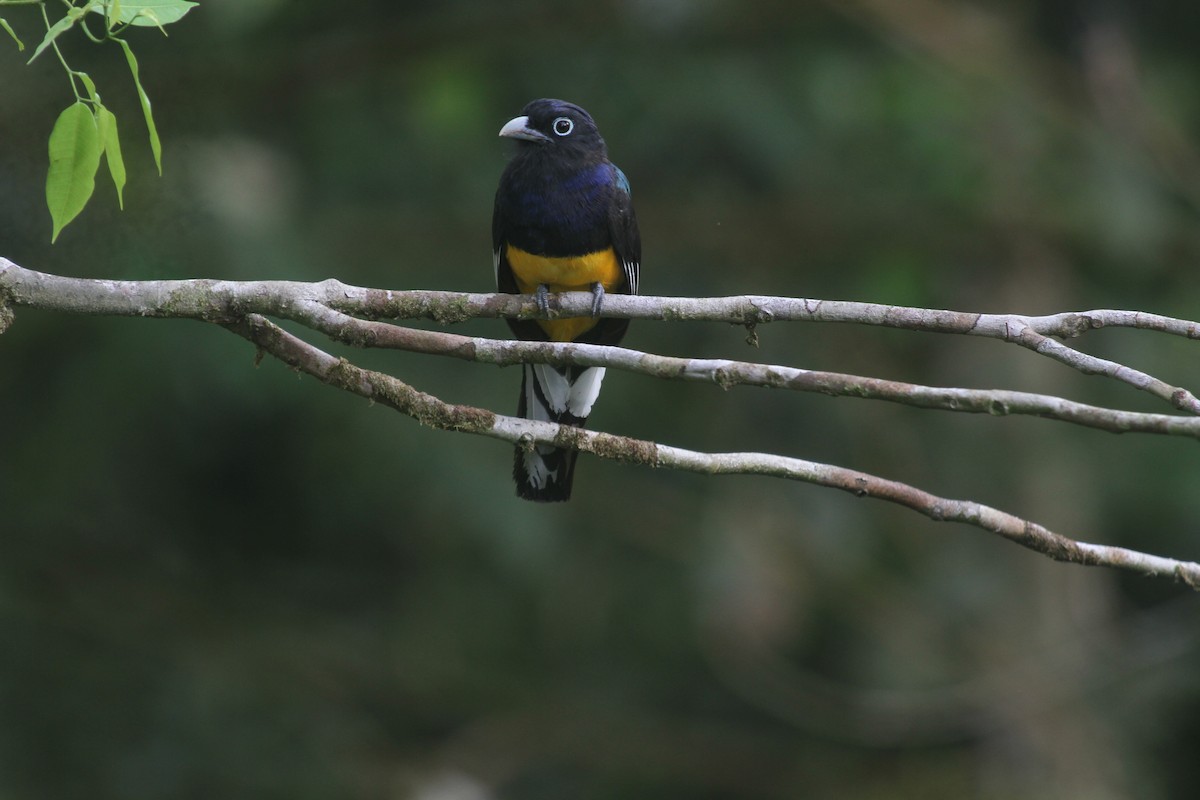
564,395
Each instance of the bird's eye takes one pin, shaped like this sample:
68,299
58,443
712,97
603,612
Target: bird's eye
562,126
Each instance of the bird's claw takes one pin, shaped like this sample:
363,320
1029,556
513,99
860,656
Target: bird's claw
597,298
542,297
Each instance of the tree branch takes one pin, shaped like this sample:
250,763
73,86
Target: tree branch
429,410
327,307
727,373
214,301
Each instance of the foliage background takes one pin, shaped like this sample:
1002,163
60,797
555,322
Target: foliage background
217,580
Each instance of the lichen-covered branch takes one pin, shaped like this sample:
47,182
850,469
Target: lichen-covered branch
429,410
351,315
728,373
214,300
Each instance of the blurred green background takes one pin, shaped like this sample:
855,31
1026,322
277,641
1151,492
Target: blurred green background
218,580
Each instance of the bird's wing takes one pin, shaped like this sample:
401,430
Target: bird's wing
505,282
627,241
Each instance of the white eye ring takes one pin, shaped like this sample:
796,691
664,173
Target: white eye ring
563,126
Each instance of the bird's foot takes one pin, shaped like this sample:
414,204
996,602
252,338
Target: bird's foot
597,298
542,297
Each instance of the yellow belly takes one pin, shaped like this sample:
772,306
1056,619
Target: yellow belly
565,274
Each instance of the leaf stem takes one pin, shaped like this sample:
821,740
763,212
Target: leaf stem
88,31
62,59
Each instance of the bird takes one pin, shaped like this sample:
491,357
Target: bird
563,221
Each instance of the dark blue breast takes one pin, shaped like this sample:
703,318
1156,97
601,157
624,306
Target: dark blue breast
558,212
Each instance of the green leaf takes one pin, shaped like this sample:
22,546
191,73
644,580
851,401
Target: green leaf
148,13
111,143
155,144
74,159
52,33
4,24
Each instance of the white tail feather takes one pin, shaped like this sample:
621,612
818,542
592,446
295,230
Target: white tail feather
584,392
568,397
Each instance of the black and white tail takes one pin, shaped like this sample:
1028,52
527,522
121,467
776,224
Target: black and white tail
564,395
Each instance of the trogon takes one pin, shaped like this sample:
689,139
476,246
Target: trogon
563,222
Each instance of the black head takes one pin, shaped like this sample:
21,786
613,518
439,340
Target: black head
555,123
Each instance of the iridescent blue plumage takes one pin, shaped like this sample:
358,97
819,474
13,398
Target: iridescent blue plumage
622,181
557,211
